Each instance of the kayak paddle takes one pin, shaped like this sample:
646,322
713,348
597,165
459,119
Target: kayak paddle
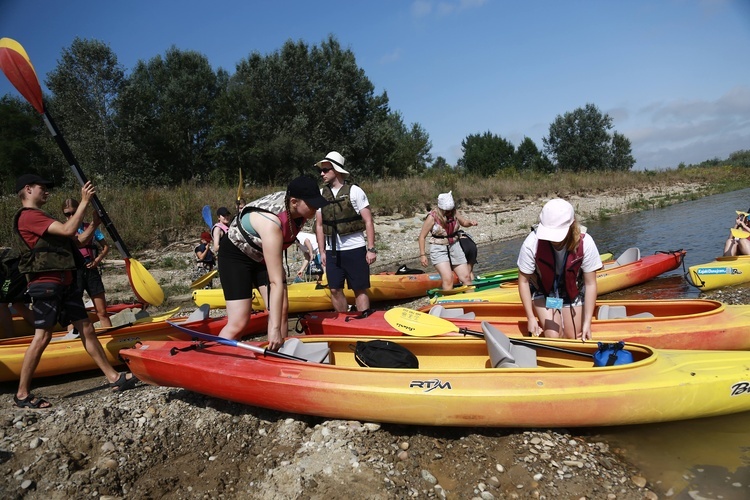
239,190
206,212
235,343
419,324
739,233
15,63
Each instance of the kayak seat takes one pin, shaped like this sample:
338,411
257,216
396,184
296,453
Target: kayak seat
629,256
442,312
199,314
618,312
314,352
503,353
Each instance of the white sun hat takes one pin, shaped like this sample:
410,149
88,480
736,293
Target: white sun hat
336,161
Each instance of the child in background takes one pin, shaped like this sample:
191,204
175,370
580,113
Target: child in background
205,259
308,245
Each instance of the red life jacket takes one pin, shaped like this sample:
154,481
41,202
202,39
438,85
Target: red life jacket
450,228
545,269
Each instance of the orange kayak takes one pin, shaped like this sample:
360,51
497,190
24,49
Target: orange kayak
456,384
610,278
67,355
665,324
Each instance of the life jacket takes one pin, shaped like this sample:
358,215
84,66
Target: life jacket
50,253
571,279
339,217
221,226
92,248
250,244
448,231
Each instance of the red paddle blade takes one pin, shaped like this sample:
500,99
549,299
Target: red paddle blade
16,65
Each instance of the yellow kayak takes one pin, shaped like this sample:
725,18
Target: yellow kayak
724,271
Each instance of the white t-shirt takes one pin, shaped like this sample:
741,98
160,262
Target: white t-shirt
302,236
358,198
527,256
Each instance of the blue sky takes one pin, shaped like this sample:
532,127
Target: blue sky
673,74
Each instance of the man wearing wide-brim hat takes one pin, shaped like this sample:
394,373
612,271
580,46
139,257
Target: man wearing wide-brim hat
345,228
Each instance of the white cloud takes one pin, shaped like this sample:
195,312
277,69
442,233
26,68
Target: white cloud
423,8
691,131
394,56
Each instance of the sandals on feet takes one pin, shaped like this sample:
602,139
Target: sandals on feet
32,402
123,383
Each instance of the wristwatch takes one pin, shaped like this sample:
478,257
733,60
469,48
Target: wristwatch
373,250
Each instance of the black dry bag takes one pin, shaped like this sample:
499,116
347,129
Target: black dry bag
384,354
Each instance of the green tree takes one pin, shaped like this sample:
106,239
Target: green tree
579,141
23,138
282,111
166,111
621,157
85,84
440,163
486,154
529,158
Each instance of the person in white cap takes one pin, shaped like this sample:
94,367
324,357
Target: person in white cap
446,253
557,268
345,228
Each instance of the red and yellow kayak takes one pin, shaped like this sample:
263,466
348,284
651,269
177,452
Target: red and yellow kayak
455,384
665,324
316,296
67,355
608,279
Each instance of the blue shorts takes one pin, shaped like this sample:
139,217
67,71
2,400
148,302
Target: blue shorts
350,266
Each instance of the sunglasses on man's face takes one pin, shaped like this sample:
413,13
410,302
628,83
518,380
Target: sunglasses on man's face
68,214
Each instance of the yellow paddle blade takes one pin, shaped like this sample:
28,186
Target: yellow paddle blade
739,233
744,214
204,280
159,317
143,284
417,323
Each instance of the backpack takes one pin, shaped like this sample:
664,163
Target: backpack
12,282
384,354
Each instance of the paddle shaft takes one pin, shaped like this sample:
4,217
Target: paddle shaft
235,343
529,343
78,172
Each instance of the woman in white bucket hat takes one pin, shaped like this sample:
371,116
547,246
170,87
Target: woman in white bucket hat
557,268
446,253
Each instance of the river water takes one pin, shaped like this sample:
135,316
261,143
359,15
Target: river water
703,458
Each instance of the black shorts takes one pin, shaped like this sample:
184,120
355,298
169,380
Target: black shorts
349,265
239,273
54,303
90,280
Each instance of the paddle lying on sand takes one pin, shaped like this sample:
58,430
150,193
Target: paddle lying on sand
206,212
235,343
15,63
419,324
